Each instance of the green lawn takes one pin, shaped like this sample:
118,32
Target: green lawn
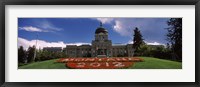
48,64
149,63
155,63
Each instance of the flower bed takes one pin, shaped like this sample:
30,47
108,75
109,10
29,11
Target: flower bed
99,63
65,60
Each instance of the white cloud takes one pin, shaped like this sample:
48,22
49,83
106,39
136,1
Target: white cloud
46,25
105,20
31,29
78,43
121,28
153,43
148,43
41,43
41,26
125,26
130,42
120,25
149,27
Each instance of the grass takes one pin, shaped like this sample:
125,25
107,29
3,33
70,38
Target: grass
149,63
48,64
155,63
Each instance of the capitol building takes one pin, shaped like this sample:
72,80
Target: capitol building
101,46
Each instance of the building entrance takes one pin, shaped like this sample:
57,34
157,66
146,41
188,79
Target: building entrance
102,53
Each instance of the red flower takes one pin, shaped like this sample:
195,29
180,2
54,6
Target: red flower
99,63
65,60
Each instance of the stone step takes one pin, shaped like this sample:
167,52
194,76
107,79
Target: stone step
101,56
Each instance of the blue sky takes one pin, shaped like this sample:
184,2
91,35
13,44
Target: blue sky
68,31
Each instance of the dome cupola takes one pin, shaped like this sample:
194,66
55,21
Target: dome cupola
101,29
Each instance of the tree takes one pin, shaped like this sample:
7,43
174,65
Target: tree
144,50
30,53
39,55
21,54
137,39
174,36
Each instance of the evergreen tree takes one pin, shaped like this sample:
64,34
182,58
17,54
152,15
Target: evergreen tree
137,39
30,53
21,54
174,36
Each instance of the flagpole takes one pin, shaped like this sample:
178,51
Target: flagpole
35,53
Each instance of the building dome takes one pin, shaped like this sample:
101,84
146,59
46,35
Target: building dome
100,30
